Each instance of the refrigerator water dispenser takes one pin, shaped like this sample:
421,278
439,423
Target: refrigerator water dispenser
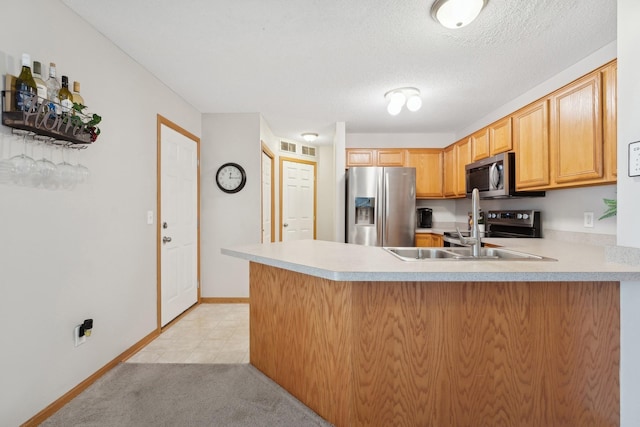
365,210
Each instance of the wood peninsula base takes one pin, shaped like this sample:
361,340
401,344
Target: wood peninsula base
440,353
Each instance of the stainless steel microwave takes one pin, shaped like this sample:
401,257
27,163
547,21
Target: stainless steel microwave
495,178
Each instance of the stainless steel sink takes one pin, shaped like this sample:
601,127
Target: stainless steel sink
498,253
417,254
501,254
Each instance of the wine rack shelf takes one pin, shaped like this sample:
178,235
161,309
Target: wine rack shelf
42,120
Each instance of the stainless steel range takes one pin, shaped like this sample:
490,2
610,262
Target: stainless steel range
504,224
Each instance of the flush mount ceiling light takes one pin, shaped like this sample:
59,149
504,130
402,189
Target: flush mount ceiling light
309,137
399,97
456,13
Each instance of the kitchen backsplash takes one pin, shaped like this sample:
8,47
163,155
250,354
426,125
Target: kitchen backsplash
562,210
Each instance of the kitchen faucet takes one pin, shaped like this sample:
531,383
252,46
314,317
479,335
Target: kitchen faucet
475,241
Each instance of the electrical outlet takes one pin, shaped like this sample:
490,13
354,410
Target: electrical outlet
79,339
588,219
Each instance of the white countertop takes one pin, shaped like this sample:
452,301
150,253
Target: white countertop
349,262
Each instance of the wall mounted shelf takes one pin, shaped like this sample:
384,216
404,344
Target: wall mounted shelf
41,120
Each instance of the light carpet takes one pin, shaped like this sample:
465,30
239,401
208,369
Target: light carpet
135,394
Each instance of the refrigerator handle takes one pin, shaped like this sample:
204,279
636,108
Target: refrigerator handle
379,207
385,222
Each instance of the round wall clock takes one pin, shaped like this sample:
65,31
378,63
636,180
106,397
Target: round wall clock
231,177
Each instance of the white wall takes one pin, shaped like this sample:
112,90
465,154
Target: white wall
228,220
404,140
326,189
88,253
629,204
339,144
562,210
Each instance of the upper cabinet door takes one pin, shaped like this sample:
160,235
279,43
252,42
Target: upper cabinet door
429,175
390,157
480,144
360,157
500,140
531,144
576,136
450,173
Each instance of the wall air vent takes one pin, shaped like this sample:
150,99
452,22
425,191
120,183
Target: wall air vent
308,151
287,146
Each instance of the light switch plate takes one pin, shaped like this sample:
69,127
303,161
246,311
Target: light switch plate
588,219
149,217
634,158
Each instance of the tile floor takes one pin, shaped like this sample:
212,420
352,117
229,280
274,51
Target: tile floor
210,333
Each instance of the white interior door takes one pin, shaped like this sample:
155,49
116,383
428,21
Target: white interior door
298,200
178,220
267,201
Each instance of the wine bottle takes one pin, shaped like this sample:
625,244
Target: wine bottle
66,98
26,89
40,84
77,98
53,88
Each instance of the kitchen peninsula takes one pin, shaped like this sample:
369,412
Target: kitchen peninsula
364,338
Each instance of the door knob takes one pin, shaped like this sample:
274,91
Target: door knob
166,239
285,225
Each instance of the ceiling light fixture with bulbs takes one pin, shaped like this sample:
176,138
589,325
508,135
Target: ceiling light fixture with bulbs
399,97
456,13
309,137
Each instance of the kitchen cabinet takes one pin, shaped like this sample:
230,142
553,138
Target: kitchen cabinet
566,139
576,131
492,140
360,157
609,120
500,139
429,240
449,175
390,157
463,157
456,157
375,157
569,139
480,144
429,177
531,145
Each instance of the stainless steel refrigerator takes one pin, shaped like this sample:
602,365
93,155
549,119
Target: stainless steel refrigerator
381,206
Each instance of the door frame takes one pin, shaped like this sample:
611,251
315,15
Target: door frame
315,191
168,123
271,156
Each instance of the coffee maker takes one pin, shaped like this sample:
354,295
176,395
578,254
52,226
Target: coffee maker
424,217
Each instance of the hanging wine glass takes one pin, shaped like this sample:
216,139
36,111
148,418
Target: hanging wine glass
23,165
6,167
35,178
82,172
66,172
46,169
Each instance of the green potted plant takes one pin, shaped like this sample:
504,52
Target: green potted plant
612,208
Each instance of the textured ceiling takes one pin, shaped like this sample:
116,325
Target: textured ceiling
306,64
